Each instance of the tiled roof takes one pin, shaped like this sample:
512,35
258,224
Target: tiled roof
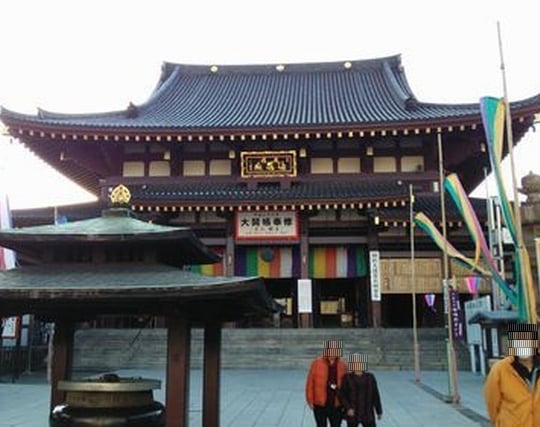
305,192
430,205
80,276
83,290
251,97
115,227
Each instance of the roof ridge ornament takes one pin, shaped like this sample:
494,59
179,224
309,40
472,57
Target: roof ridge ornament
132,111
120,196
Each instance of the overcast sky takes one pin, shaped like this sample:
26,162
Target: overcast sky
92,56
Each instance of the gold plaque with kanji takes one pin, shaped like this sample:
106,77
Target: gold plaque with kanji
268,164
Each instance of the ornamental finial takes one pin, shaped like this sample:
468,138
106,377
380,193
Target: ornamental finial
120,195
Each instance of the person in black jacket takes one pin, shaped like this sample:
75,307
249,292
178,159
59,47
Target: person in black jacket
359,393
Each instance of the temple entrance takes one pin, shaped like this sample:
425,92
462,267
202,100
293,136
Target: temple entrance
340,303
284,293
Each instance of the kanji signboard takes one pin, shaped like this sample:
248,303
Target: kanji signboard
267,225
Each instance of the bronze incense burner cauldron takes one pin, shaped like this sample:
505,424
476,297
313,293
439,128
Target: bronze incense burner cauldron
109,401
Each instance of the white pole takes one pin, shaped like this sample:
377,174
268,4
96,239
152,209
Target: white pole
416,348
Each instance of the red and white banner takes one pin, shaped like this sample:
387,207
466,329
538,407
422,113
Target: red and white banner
7,257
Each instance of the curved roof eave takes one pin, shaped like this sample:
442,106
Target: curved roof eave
522,107
268,98
56,290
116,226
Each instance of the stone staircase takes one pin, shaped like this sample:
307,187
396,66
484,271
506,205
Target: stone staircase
110,349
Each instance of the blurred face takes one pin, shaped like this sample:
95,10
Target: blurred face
332,354
358,367
522,344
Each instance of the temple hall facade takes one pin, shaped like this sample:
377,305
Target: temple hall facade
301,174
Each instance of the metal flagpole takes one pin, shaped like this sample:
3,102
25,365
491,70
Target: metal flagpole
453,394
413,284
517,211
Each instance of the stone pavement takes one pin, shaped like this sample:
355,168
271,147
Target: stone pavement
275,398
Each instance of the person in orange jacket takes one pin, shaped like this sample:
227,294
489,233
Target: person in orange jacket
322,385
512,390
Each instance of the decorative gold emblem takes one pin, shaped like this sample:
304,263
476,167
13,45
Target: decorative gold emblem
268,164
120,195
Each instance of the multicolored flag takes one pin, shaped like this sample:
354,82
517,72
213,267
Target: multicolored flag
493,114
425,224
453,185
7,256
522,296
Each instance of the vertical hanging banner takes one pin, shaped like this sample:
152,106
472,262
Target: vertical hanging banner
375,275
457,317
537,250
10,325
304,296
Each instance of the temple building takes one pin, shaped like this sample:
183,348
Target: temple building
298,173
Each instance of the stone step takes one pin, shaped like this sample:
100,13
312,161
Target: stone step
109,349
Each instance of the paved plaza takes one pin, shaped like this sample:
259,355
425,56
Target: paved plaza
275,398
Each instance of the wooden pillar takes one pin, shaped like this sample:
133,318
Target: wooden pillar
305,320
177,376
62,358
229,247
211,374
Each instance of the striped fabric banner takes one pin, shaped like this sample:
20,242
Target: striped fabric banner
326,262
216,269
493,117
7,257
271,262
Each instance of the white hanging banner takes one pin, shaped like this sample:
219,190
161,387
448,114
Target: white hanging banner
304,296
10,327
375,275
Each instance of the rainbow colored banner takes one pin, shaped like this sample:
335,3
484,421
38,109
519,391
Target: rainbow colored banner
327,262
425,224
493,118
493,112
464,207
216,269
271,262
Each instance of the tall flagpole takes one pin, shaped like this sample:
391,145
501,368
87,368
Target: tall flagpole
453,394
517,210
413,284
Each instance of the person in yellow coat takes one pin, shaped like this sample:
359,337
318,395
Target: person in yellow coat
512,389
